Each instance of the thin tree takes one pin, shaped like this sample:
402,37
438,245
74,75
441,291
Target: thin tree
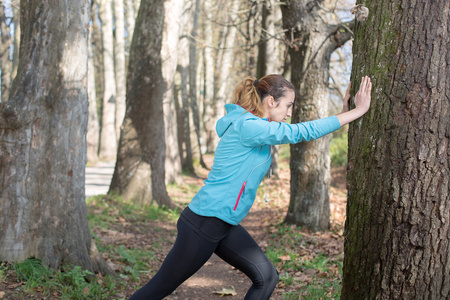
397,231
42,140
108,142
119,65
311,42
5,61
93,131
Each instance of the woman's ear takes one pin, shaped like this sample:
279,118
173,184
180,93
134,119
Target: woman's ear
270,101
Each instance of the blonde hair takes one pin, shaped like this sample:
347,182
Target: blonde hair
250,93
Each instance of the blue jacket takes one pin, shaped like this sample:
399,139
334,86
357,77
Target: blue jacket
243,157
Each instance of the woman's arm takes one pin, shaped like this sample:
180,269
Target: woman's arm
362,102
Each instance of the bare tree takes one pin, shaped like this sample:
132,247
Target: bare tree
93,131
5,61
108,143
120,72
42,144
311,41
397,230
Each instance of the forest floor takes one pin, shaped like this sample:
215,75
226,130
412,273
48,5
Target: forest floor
309,263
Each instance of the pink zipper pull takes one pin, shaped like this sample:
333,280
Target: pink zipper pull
240,193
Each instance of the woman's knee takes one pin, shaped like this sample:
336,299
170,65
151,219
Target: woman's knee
269,276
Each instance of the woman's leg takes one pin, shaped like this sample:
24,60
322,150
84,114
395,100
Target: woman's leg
189,254
240,250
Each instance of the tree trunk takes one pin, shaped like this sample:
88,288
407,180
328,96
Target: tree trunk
93,131
193,80
6,63
169,53
43,144
16,41
130,17
312,41
140,166
268,62
183,124
119,51
224,89
209,119
108,143
398,212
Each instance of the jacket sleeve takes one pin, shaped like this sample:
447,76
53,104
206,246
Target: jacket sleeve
257,132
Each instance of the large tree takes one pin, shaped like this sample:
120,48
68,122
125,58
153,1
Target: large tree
43,140
397,232
140,167
311,42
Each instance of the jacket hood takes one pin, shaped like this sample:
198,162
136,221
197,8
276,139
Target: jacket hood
234,111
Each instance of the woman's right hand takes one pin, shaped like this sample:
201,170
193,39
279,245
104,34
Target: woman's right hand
362,98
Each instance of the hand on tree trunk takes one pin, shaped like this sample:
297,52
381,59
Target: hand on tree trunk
362,103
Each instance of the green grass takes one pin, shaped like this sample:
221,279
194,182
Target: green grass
69,282
135,260
283,252
104,211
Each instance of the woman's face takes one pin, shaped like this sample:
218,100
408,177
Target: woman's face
281,110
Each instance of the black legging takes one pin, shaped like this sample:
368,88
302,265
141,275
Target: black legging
198,238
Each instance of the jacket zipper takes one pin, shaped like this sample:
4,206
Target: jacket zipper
245,182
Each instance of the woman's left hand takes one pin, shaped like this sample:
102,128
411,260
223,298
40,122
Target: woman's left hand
346,99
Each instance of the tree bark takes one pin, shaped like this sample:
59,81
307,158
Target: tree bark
311,43
43,145
397,232
119,55
140,168
108,143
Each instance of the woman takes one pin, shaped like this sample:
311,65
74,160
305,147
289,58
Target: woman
210,224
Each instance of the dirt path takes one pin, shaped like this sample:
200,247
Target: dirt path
216,275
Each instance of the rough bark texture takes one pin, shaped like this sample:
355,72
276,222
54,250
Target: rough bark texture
42,144
398,211
312,42
108,142
140,172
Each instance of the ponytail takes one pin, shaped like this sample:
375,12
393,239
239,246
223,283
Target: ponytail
246,95
251,92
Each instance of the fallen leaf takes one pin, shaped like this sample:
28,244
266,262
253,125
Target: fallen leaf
2,294
226,292
284,257
86,290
